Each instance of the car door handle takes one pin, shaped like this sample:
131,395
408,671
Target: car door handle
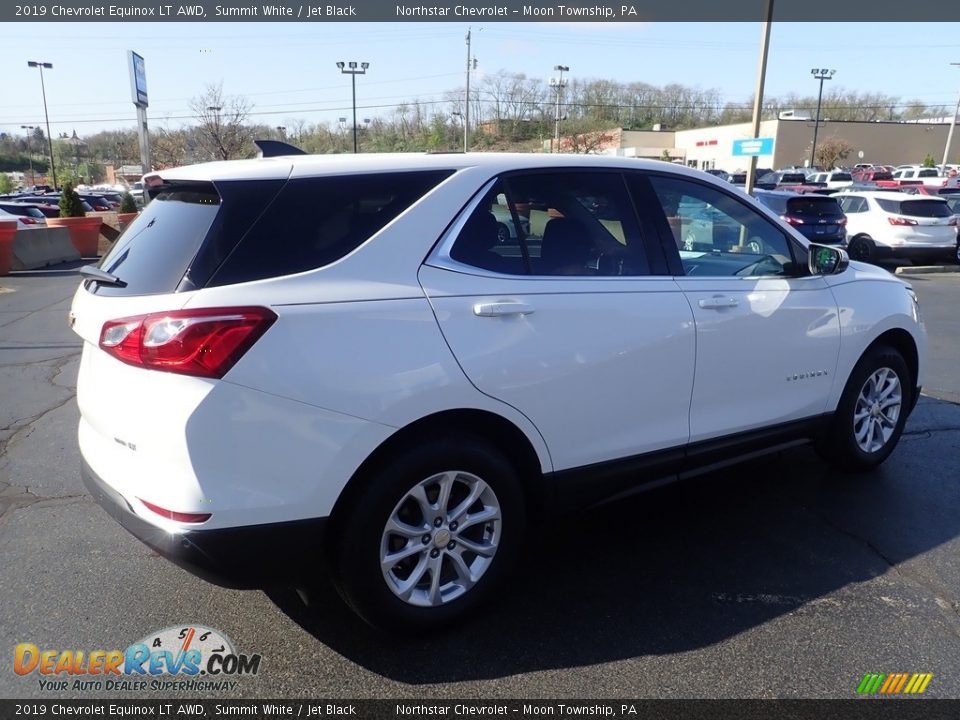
716,303
501,309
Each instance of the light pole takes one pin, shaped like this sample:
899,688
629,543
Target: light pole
953,124
820,75
352,70
29,129
49,66
558,84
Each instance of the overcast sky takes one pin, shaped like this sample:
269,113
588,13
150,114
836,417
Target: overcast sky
288,71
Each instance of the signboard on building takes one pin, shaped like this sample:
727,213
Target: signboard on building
753,146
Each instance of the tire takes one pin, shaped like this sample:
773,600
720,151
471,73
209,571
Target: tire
436,579
871,413
863,249
503,233
956,253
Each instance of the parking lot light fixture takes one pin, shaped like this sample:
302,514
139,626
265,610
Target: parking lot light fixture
351,68
49,66
821,75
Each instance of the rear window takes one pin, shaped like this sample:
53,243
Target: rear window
881,176
929,208
793,178
814,205
841,177
196,235
154,252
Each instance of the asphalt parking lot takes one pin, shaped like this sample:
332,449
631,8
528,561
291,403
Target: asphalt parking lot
780,578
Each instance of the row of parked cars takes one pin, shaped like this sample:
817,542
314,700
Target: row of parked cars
877,212
32,208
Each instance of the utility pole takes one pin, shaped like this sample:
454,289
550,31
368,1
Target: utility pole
471,64
821,75
758,94
953,124
559,85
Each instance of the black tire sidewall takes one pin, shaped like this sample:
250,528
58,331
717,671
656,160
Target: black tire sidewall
842,443
357,572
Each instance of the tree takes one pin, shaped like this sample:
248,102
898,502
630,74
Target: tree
223,134
929,161
6,183
830,151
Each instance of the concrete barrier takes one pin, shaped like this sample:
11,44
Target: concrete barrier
41,247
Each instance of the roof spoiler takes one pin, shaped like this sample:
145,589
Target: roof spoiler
275,148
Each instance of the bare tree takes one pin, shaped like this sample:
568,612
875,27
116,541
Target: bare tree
830,151
222,132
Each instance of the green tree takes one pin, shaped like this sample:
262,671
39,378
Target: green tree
6,183
70,203
929,161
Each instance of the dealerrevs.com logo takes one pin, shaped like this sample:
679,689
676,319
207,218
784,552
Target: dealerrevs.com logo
185,657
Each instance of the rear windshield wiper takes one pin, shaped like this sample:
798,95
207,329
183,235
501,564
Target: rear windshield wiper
101,276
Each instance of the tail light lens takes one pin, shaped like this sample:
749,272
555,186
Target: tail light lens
29,221
791,219
901,221
203,343
842,221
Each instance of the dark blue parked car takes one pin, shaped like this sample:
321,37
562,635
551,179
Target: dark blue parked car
817,217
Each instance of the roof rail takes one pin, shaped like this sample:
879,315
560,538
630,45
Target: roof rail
275,148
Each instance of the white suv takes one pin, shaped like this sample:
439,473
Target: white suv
300,363
884,224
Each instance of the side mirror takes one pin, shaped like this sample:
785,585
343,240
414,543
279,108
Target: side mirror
826,260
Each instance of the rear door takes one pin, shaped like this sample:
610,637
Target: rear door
576,325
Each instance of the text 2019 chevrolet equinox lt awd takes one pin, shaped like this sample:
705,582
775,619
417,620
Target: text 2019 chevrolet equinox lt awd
341,362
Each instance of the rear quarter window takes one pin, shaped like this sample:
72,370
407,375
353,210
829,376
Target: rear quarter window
315,221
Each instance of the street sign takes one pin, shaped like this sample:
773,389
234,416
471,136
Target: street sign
753,146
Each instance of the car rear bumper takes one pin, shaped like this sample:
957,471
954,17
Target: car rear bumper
906,252
251,556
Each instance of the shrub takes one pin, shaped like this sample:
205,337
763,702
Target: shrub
929,161
70,203
127,203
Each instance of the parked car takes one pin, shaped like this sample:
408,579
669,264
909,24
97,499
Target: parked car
28,216
925,176
833,180
889,224
881,177
817,217
52,200
781,179
382,388
97,202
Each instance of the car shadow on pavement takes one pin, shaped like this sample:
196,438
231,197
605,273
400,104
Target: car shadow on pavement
678,568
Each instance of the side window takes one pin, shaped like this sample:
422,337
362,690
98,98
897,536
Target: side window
851,205
555,223
313,222
717,234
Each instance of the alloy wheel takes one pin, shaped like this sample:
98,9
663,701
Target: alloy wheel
877,410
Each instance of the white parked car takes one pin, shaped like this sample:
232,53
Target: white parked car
884,224
306,362
833,180
27,218
925,176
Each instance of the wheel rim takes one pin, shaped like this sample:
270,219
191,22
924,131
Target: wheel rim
877,410
440,538
860,250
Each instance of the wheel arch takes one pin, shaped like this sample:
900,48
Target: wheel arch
903,342
504,435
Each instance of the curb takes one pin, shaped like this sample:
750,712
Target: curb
927,269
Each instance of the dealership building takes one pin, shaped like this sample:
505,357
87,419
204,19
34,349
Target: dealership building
889,143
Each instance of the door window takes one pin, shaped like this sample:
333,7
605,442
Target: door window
717,234
559,223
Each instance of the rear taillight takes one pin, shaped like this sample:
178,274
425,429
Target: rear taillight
842,221
174,515
954,221
791,219
203,343
901,221
29,221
